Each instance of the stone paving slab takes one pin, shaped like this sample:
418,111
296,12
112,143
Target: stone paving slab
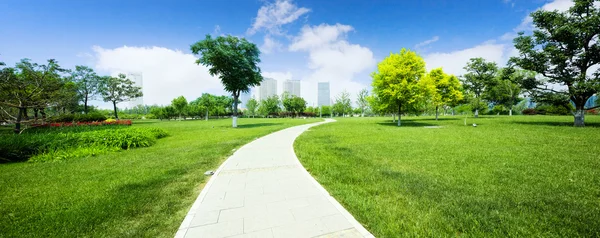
262,190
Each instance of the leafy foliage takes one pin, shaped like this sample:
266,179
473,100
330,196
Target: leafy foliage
118,89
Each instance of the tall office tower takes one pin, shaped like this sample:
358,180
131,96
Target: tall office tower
138,81
323,95
292,87
244,97
267,88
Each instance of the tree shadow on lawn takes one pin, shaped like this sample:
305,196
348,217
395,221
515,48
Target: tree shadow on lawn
406,123
456,118
258,125
554,123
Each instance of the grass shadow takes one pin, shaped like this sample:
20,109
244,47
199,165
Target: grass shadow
554,123
440,119
258,125
406,123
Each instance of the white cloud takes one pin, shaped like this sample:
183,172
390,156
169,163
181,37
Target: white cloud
560,5
270,45
272,16
453,62
166,73
427,42
332,59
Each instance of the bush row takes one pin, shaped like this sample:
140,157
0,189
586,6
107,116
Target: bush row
92,117
59,145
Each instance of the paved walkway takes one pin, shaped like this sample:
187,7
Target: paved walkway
262,190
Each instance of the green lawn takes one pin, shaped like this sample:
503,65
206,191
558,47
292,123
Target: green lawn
520,176
142,192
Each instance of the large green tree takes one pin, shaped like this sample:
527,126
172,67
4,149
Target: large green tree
479,77
342,104
118,89
234,61
294,104
269,106
443,89
396,81
565,49
87,82
507,88
180,104
30,85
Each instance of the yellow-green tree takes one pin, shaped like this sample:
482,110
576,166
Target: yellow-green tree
396,81
443,89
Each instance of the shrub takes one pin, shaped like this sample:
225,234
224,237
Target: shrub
57,144
592,112
529,111
71,153
69,118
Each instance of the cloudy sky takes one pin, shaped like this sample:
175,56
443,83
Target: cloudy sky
339,41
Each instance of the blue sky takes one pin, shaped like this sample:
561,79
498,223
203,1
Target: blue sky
338,40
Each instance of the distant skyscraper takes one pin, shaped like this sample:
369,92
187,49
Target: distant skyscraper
292,87
138,81
267,88
323,95
244,97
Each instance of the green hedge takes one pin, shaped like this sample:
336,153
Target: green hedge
58,145
79,117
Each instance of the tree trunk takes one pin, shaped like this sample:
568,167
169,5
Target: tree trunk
476,113
399,113
510,112
235,102
206,117
18,122
25,116
35,114
452,111
393,117
115,109
436,112
43,115
85,106
579,117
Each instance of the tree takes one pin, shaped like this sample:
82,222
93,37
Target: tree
507,88
29,85
293,103
269,106
362,101
342,104
443,89
480,75
564,48
234,61
118,89
179,103
396,81
87,84
207,101
252,105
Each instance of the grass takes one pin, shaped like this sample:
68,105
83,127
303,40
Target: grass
520,176
143,192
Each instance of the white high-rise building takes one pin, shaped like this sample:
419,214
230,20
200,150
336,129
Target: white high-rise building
292,87
244,97
267,88
323,94
138,81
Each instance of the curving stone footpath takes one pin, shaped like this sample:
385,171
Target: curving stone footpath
262,190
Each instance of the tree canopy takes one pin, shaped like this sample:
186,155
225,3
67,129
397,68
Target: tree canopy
565,49
396,81
234,61
118,89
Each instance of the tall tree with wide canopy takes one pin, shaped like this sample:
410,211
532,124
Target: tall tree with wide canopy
87,84
443,89
396,81
480,75
30,85
234,61
507,88
565,49
207,101
118,89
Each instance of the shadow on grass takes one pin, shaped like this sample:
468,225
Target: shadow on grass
441,119
406,123
258,125
554,123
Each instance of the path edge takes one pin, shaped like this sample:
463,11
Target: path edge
359,227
